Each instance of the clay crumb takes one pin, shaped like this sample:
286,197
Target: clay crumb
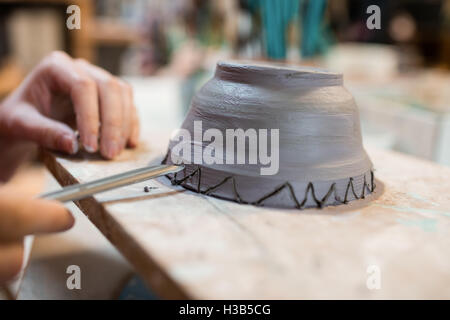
147,188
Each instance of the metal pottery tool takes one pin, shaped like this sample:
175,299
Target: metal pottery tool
83,190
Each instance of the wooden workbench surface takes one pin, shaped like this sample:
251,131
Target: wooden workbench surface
187,245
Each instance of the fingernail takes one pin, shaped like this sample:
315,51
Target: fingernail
112,149
75,146
69,140
91,145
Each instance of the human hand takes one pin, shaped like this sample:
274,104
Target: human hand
21,215
61,92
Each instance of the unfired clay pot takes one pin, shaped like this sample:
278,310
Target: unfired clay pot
321,156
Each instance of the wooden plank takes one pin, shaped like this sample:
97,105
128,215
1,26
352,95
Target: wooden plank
187,245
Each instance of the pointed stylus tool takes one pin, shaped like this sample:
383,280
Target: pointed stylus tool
83,190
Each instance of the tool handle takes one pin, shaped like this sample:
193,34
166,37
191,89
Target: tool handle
83,190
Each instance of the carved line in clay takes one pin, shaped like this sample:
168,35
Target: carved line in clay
259,202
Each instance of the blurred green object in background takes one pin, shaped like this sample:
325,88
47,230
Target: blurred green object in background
313,41
276,16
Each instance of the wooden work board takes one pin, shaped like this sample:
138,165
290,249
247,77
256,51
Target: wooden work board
187,245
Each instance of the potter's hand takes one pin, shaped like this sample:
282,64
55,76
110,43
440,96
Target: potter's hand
20,215
62,91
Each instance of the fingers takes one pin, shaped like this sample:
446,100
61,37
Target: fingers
20,216
85,100
131,120
111,110
28,123
63,74
134,132
112,114
117,112
11,258
105,113
127,108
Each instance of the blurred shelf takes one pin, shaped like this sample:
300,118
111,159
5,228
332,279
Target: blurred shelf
113,32
11,76
94,30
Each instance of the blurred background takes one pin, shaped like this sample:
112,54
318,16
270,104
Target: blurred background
399,74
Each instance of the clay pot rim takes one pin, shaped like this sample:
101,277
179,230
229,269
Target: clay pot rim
259,72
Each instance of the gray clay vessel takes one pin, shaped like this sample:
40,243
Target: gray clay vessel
321,157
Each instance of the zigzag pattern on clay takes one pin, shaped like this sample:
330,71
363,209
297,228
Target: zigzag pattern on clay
260,202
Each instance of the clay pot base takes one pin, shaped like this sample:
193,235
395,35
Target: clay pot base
272,192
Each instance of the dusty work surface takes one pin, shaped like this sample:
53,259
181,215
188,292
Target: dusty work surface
187,245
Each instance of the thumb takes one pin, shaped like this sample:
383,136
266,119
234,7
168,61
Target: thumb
29,124
21,215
